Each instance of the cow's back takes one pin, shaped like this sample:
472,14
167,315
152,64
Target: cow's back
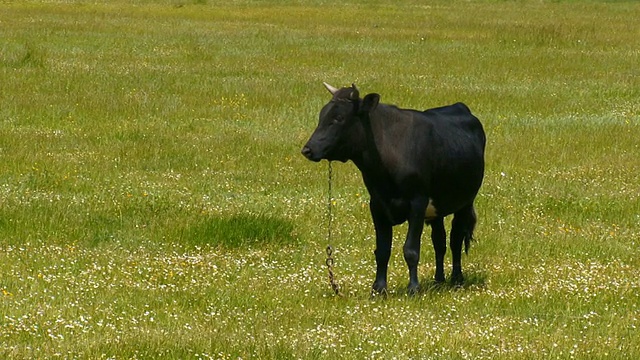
438,153
455,132
454,155
456,119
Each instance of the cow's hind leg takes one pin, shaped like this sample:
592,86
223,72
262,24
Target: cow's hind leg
439,239
464,221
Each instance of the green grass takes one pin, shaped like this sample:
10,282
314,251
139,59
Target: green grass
154,204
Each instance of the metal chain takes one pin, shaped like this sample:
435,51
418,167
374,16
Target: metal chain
329,262
329,203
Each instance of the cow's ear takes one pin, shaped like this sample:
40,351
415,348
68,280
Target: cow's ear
370,102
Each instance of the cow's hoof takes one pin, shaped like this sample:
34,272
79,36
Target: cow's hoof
457,279
378,294
439,279
379,287
413,289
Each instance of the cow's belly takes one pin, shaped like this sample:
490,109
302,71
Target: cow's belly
398,211
441,206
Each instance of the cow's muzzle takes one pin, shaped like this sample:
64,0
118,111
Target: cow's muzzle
308,153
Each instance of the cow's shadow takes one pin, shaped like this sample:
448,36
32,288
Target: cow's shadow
240,230
473,281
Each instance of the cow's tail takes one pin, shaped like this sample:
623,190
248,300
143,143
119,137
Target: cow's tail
468,237
467,224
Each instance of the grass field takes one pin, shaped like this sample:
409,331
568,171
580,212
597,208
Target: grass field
154,202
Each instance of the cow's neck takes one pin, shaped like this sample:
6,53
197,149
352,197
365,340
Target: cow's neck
366,154
377,177
369,161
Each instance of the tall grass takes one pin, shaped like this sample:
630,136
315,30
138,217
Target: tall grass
153,202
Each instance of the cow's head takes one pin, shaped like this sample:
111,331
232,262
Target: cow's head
340,124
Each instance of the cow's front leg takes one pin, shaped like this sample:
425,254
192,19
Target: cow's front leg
412,243
384,232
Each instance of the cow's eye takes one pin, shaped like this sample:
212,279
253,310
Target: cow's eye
338,119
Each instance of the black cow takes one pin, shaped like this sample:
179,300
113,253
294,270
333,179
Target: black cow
418,166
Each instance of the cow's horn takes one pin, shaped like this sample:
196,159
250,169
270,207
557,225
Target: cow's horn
355,93
331,89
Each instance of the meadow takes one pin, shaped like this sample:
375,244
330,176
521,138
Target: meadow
154,202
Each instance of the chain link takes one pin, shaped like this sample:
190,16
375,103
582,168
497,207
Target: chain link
329,262
332,280
329,203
